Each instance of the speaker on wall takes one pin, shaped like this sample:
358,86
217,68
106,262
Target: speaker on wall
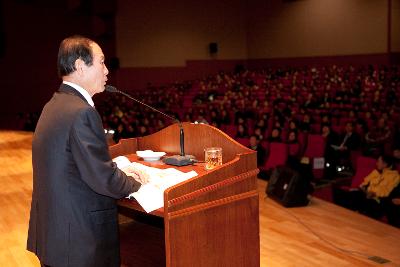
213,48
288,187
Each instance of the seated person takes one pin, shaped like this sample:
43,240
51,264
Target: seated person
293,149
241,132
372,198
262,125
275,136
305,124
255,145
293,125
225,119
347,142
294,146
331,139
376,138
258,133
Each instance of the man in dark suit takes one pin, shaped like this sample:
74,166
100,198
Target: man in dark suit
338,151
350,140
73,219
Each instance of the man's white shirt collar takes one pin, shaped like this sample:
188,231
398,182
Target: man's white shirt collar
82,91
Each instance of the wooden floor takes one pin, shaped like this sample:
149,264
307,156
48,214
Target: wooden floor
320,234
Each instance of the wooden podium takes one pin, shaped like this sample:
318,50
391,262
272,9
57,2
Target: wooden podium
213,218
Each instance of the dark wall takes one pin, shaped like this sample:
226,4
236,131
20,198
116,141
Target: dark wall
32,32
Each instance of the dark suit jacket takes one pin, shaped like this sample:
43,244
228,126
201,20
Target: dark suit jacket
353,142
73,219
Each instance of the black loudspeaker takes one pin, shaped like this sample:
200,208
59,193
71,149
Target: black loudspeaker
213,48
288,187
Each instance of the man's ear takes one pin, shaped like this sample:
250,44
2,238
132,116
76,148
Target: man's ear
79,66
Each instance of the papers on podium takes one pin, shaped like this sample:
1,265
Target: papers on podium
151,195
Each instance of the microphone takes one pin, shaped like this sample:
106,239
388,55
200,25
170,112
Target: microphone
176,160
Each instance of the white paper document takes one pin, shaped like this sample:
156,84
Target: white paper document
151,195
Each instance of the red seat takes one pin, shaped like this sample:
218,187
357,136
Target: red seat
316,149
243,141
315,146
337,128
342,192
294,150
316,128
302,137
229,130
278,154
365,165
265,144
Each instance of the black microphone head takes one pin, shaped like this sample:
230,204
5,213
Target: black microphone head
111,89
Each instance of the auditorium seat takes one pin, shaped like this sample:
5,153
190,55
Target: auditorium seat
315,152
365,165
294,150
315,146
278,154
230,130
243,141
340,189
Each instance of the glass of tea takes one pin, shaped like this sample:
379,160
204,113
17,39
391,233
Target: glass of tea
212,157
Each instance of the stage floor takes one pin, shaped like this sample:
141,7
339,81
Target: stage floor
321,234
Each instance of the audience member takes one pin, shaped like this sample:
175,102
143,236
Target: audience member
376,138
255,145
275,136
305,125
331,140
347,142
372,198
293,149
241,132
299,99
259,133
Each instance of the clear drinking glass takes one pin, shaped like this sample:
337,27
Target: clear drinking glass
212,157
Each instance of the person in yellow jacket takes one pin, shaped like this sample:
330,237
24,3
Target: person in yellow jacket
381,181
377,187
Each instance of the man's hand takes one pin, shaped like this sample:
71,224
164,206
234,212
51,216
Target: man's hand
139,175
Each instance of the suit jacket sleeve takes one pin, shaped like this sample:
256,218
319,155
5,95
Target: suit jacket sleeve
90,152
